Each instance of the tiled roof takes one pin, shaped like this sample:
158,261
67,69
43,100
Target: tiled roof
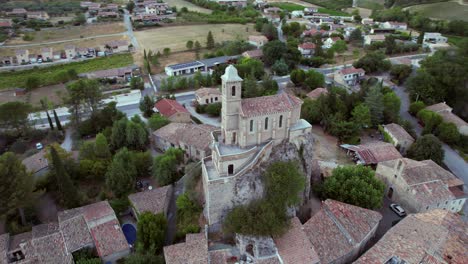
97,211
21,52
398,132
4,245
51,248
76,233
207,91
198,136
437,236
168,107
116,43
256,53
315,94
294,247
314,31
193,251
36,162
375,152
307,45
453,118
379,37
46,49
110,72
6,23
153,201
109,238
269,104
439,107
429,193
258,39
351,70
338,228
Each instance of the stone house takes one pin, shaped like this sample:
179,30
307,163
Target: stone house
395,25
253,54
314,32
372,153
306,49
116,46
446,112
258,41
120,75
207,96
329,42
194,139
249,129
400,138
421,186
47,54
154,200
39,15
7,60
369,39
316,93
193,251
233,3
339,232
17,12
436,236
70,51
22,56
349,76
174,111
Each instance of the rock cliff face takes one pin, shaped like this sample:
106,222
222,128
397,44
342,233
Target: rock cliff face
249,186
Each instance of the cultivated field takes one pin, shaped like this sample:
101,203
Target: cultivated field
175,37
84,43
70,32
444,10
192,7
299,2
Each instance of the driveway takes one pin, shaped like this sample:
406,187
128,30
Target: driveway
129,26
389,219
67,142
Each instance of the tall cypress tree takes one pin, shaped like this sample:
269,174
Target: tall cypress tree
210,43
50,121
68,192
57,121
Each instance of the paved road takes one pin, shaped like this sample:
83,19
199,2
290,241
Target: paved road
62,41
129,26
67,142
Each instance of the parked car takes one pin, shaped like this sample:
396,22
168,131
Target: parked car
39,146
398,210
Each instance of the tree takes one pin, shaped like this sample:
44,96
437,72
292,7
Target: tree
269,30
339,46
214,109
101,148
147,105
374,100
136,136
151,232
118,137
68,193
361,116
16,186
144,257
390,44
80,19
165,166
166,52
421,38
57,121
354,185
310,111
448,132
356,37
136,83
210,42
392,105
189,45
314,79
121,175
283,183
156,121
427,147
197,46
415,107
280,68
430,119
373,62
130,6
273,51
45,107
250,66
83,94
298,76
250,88
400,72
14,115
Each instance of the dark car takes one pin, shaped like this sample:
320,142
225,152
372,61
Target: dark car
398,210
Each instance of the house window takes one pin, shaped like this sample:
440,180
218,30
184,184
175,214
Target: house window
280,121
427,207
216,98
231,169
233,90
207,101
266,123
399,164
395,176
251,125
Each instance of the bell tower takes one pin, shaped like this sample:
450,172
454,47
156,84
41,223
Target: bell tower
231,104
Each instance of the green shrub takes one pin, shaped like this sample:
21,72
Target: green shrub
415,107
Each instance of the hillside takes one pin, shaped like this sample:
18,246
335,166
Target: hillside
404,3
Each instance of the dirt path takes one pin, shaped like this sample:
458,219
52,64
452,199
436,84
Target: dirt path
62,41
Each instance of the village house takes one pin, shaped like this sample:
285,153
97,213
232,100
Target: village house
91,226
233,3
194,139
421,186
22,56
120,75
87,4
6,23
250,127
39,15
307,49
70,51
272,14
193,251
339,232
316,93
208,96
372,153
434,38
155,201
349,76
446,112
205,65
369,39
108,14
400,138
394,25
17,12
329,42
173,111
258,41
47,54
308,11
367,21
110,8
7,60
253,54
157,8
314,32
116,46
437,236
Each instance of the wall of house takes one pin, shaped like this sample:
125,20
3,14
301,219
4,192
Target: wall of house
209,99
116,256
181,118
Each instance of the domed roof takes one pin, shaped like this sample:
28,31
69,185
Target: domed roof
231,75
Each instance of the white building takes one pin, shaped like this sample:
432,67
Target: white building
207,96
258,41
249,129
369,39
394,25
349,76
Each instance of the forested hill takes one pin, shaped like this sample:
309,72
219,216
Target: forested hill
403,3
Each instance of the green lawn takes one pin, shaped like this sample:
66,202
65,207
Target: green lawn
47,75
332,12
288,6
455,40
371,4
443,10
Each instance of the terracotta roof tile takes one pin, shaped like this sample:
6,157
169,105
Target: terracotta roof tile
76,233
97,211
168,107
109,238
307,45
207,91
398,132
198,136
315,94
193,251
439,107
269,104
375,152
153,201
351,70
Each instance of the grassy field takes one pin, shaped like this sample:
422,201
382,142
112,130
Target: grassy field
191,7
292,7
371,4
70,32
85,43
175,37
455,40
445,10
47,75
